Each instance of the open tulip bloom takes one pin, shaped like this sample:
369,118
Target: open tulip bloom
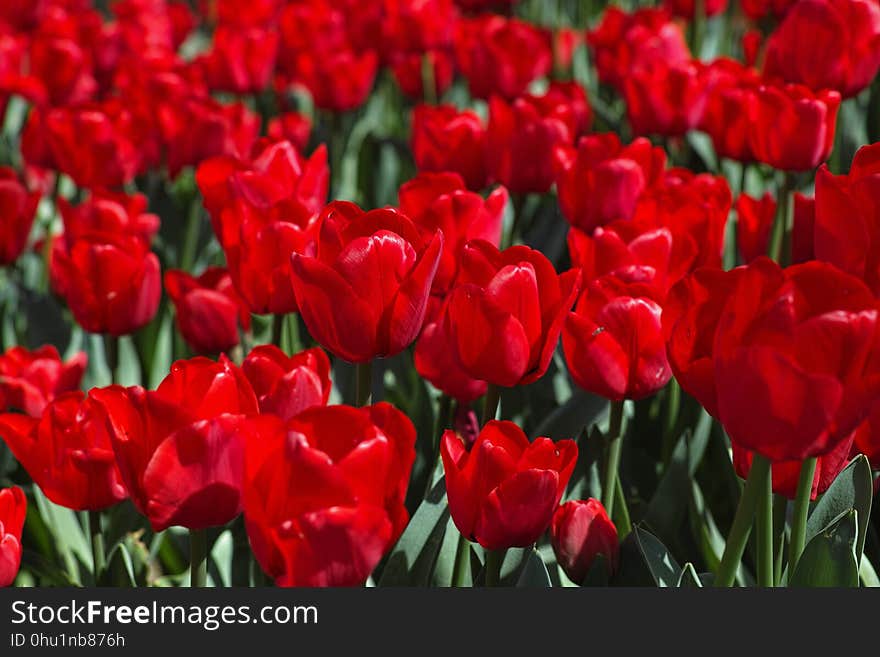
450,293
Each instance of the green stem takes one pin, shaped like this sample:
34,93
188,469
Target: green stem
622,521
97,536
699,27
493,567
198,561
490,407
764,529
780,238
277,329
111,353
462,554
673,405
364,383
780,505
293,337
742,523
429,85
191,237
519,203
799,516
440,425
612,457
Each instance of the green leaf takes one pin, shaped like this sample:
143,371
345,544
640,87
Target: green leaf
829,558
70,541
867,573
412,561
645,561
689,578
534,573
221,555
852,489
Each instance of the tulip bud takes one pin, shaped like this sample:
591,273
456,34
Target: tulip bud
581,531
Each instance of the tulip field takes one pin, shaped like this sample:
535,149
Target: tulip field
439,293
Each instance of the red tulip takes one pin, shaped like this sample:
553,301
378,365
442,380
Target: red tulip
93,144
29,380
290,126
444,139
262,211
67,453
623,43
208,309
287,385
408,69
365,292
484,5
503,492
102,266
181,448
506,311
665,99
601,181
62,67
324,493
18,207
13,508
240,60
433,363
759,9
501,56
620,250
339,80
844,45
787,473
695,208
439,201
866,439
847,232
521,140
791,355
581,531
613,341
730,101
793,128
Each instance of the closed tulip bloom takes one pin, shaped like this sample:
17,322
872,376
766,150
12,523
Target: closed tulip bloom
666,99
501,56
792,127
93,144
287,385
433,363
787,473
446,139
506,311
695,209
67,452
622,42
324,493
18,207
291,126
340,80
690,321
13,508
365,292
522,138
408,71
180,448
441,202
581,531
263,210
240,60
103,267
794,354
29,380
621,250
613,340
502,493
208,309
730,101
847,232
844,52
601,180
